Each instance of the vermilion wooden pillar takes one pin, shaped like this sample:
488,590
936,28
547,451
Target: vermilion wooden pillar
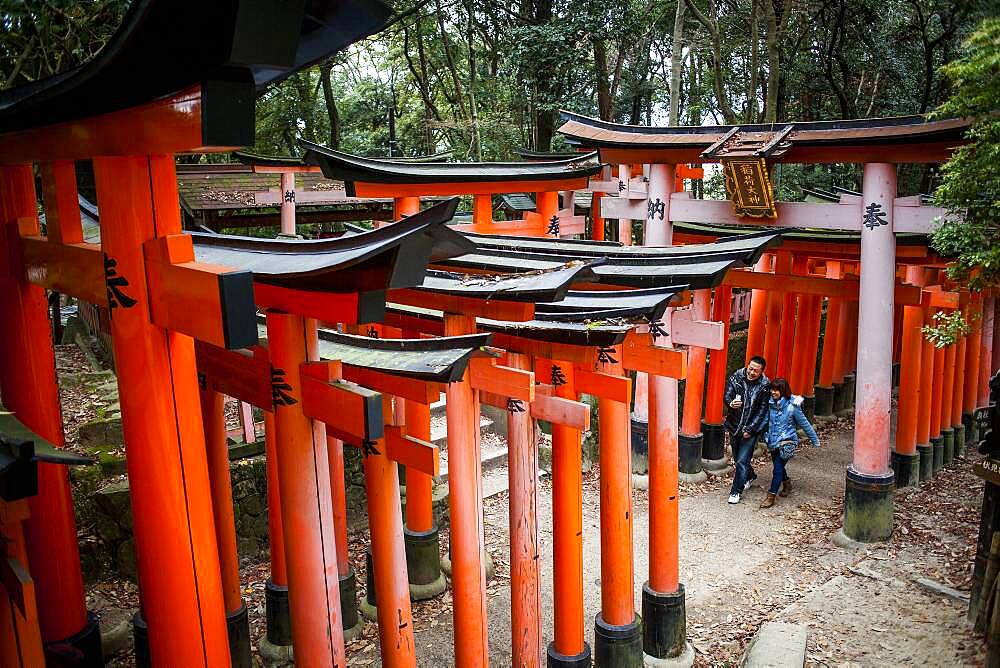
279,628
758,313
775,315
596,219
465,500
663,608
958,394
392,591
906,461
20,637
714,446
973,351
803,369
547,206
624,224
617,630
868,501
288,204
350,620
27,361
947,399
986,351
788,341
306,504
937,383
522,471
237,619
690,437
407,206
924,398
161,421
568,647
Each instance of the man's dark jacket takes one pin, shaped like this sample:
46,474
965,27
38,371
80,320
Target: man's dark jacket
752,417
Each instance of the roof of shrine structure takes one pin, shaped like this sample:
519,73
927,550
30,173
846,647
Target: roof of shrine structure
898,139
221,52
375,176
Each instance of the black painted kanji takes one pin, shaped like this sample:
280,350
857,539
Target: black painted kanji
114,284
280,389
874,216
557,376
657,208
604,355
656,328
553,226
621,186
515,405
373,332
289,196
368,448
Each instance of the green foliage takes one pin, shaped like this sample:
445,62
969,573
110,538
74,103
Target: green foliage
947,329
970,186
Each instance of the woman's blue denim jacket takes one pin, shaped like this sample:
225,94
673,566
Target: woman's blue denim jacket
782,417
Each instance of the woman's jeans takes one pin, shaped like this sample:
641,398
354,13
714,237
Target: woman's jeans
742,454
780,475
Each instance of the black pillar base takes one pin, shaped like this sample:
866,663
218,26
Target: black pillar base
713,444
640,446
906,468
937,444
895,374
664,623
809,407
849,388
970,430
238,629
689,453
140,642
926,453
82,649
349,599
868,506
824,400
423,563
838,397
277,615
959,430
948,436
554,659
618,645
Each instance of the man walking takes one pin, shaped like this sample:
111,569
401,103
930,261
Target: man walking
746,396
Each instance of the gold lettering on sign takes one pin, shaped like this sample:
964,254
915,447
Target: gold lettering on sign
748,186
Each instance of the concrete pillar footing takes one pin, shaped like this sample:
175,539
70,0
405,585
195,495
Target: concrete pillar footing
868,505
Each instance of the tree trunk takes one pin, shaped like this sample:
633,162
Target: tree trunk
331,105
676,54
605,108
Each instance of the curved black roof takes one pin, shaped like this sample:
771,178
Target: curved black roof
352,168
549,285
233,49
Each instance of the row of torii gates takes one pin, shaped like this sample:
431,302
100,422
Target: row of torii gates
528,322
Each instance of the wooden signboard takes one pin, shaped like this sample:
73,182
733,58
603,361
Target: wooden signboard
749,187
988,469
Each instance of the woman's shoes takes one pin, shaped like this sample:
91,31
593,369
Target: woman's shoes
786,487
768,501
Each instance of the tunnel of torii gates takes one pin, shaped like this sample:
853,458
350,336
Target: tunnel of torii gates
478,316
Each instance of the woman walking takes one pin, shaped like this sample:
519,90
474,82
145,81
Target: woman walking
784,413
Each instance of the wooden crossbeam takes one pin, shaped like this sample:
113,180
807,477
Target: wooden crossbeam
350,412
411,389
364,189
640,354
578,355
686,331
604,385
410,451
906,295
505,381
937,297
241,374
72,269
499,309
345,307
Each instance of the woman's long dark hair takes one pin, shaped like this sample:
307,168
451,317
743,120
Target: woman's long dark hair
782,386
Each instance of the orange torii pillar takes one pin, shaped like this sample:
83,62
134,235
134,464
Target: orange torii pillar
288,204
217,449
547,206
161,421
803,370
713,450
957,395
465,500
20,636
406,206
758,312
973,351
690,437
924,398
995,357
986,354
937,441
868,498
905,460
596,219
841,357
26,352
947,399
522,470
624,224
851,358
775,314
831,342
664,635
568,647
788,341
351,620
277,640
306,505
617,629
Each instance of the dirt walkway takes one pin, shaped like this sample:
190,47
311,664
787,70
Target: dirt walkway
743,566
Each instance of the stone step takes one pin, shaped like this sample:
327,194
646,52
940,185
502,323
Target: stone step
439,429
777,645
490,458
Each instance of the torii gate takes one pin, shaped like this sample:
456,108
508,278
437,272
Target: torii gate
878,216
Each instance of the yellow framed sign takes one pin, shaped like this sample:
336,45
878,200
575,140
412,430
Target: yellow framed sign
748,186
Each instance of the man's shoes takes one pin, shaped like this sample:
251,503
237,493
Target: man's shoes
786,487
749,483
768,501
734,498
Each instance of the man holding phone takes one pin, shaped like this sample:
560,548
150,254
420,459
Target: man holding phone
746,401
